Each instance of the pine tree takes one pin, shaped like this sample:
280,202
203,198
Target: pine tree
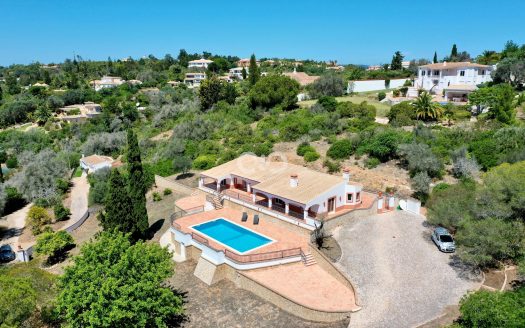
254,71
397,61
435,57
136,187
454,52
118,205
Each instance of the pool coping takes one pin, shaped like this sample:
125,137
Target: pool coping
229,247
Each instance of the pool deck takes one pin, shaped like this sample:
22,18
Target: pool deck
283,238
310,286
191,202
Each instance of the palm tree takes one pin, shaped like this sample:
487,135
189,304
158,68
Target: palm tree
426,109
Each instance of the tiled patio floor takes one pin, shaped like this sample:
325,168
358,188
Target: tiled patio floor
310,286
190,202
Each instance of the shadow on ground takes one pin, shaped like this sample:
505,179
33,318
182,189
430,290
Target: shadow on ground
6,233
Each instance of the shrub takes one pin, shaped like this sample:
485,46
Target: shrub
311,156
303,148
329,103
156,197
332,166
53,244
402,114
167,192
62,185
372,162
274,90
37,217
403,91
341,149
383,145
420,183
327,85
61,212
381,95
204,162
12,162
182,164
42,202
419,158
396,93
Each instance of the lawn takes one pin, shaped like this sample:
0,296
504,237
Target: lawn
371,98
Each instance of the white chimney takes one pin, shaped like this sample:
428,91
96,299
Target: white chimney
294,180
346,174
445,63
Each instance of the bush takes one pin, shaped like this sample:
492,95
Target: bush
396,93
372,162
402,114
204,162
53,244
37,218
303,148
381,95
274,90
341,149
332,166
311,156
61,212
329,103
156,197
62,185
167,192
42,202
12,162
419,158
383,145
327,85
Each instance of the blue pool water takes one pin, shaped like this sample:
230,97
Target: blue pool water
232,235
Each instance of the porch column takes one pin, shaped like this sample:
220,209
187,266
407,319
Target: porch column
218,186
201,181
305,213
253,198
269,202
248,187
286,208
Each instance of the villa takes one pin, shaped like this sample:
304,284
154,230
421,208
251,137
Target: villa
95,162
286,191
456,79
107,82
245,62
301,77
250,222
79,112
199,63
193,80
236,72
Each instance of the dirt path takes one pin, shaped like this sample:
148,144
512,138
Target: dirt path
12,226
79,197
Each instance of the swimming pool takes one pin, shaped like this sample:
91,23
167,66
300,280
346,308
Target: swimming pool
232,235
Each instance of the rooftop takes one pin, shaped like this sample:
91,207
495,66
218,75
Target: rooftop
301,77
461,87
202,60
274,177
445,65
96,159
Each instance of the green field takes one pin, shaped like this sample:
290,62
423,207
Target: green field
382,109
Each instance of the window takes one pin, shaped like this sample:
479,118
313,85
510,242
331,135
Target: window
350,198
423,73
482,72
436,73
428,73
278,201
358,197
461,73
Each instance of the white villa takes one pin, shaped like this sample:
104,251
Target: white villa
79,112
95,162
286,191
193,80
456,79
199,63
107,82
236,72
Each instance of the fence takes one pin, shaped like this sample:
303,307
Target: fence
182,213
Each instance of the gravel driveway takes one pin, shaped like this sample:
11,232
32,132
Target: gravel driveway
402,280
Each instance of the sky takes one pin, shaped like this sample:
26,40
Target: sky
351,32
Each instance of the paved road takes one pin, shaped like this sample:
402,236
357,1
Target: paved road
12,225
402,280
79,197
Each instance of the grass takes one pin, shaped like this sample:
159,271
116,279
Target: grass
371,98
78,172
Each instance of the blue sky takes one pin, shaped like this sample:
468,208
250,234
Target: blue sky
360,32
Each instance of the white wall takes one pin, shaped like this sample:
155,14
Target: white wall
373,85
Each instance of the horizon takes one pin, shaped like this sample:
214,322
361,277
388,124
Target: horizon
51,34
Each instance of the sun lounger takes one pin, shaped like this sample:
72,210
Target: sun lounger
256,219
244,217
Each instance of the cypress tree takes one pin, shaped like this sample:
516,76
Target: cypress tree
118,205
136,187
435,57
254,71
244,74
454,52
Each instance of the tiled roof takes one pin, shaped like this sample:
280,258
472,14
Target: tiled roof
452,65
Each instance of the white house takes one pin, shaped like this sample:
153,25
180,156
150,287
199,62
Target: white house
94,163
296,191
193,80
236,72
460,76
199,63
107,82
79,112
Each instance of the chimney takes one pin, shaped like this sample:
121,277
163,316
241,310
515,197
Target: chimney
346,174
445,63
294,180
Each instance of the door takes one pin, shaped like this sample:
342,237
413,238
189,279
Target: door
331,204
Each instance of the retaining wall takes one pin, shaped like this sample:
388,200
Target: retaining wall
162,182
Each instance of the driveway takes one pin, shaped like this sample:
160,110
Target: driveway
12,226
401,279
79,197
